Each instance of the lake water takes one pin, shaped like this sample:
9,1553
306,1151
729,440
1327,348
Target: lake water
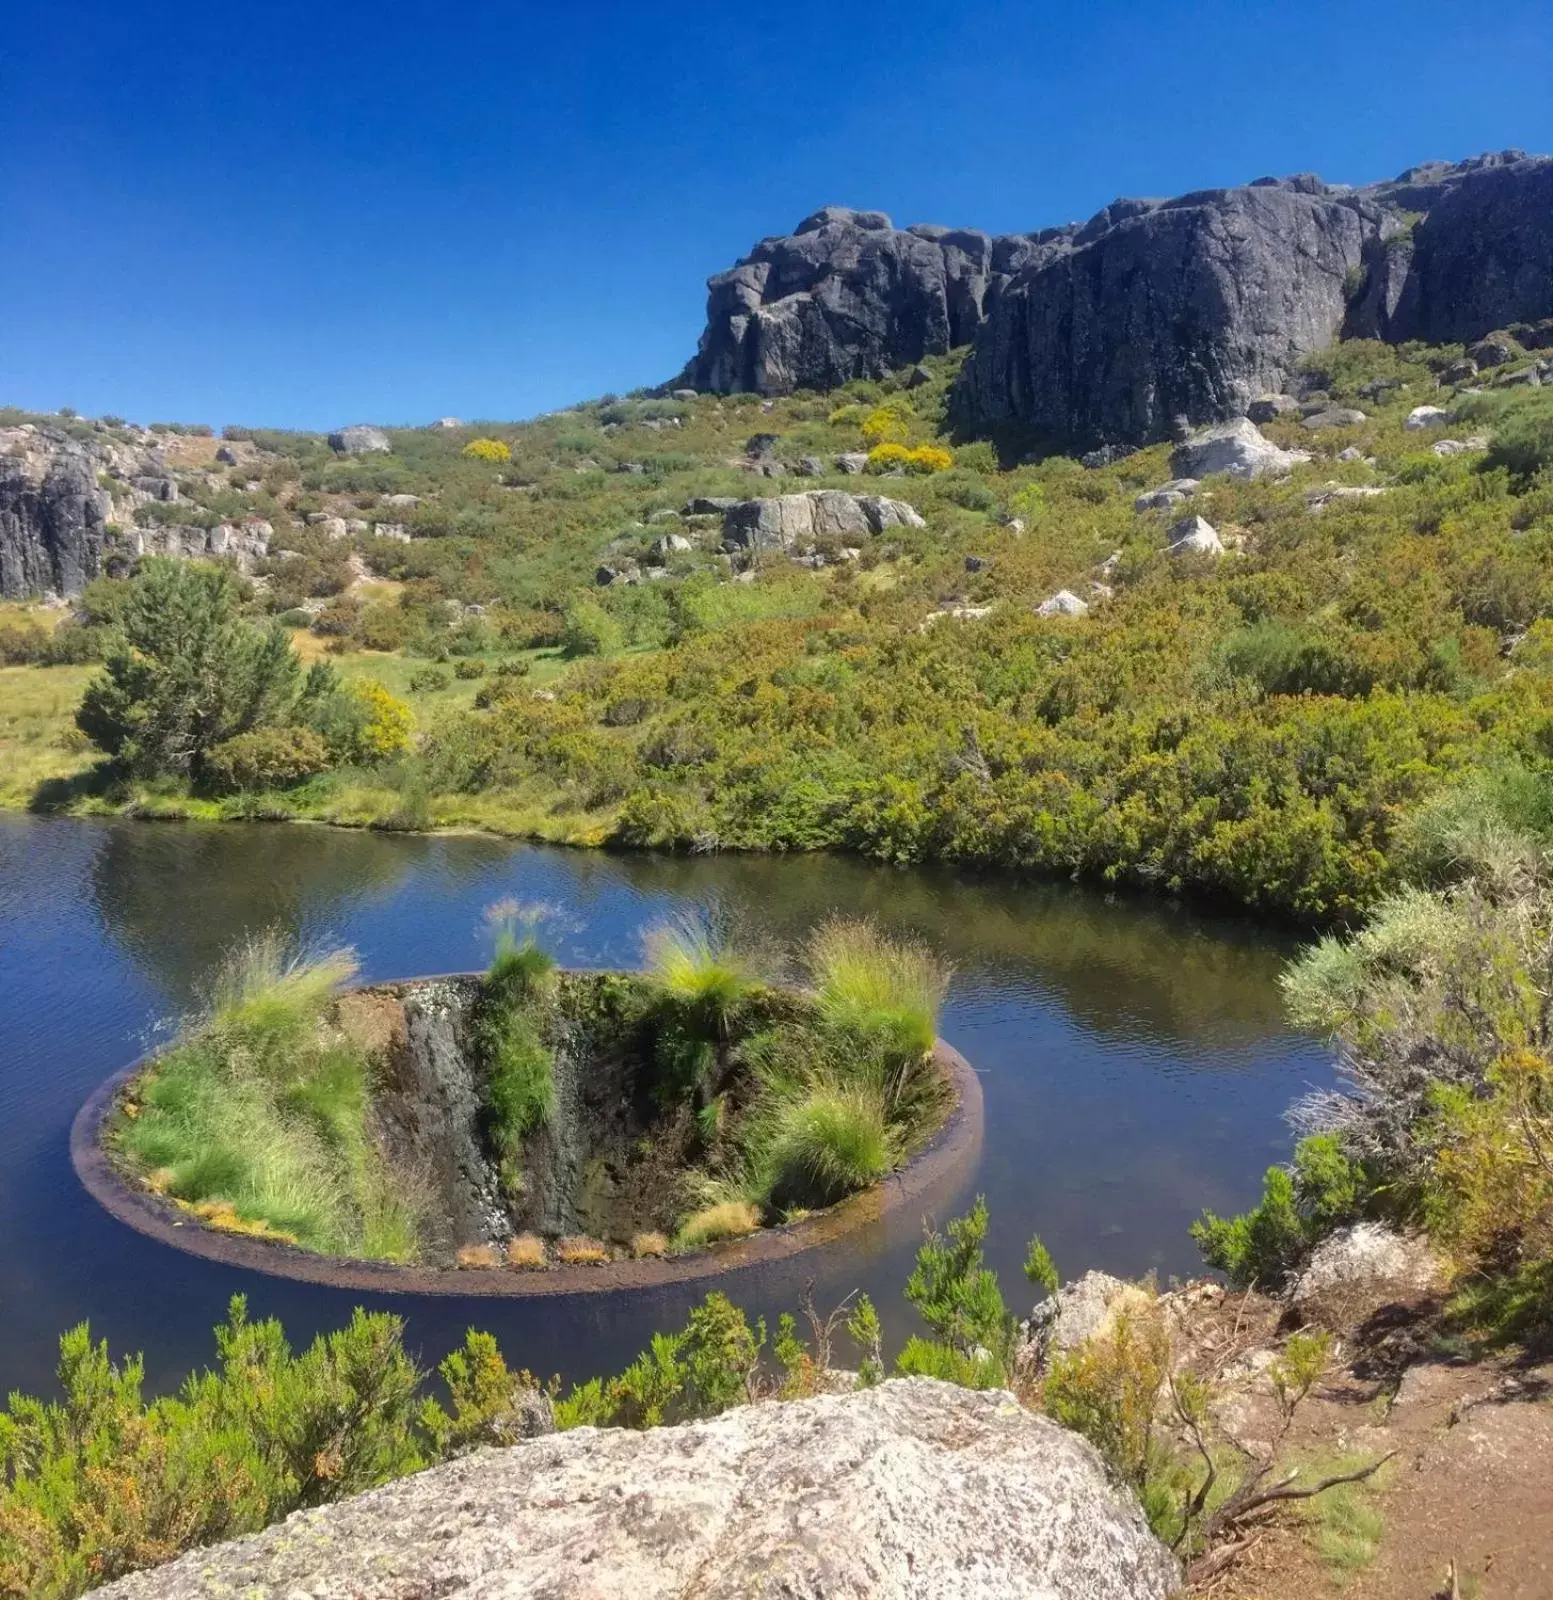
1133,1057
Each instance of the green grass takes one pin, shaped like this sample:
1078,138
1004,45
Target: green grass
1345,1523
519,1066
826,1143
257,1116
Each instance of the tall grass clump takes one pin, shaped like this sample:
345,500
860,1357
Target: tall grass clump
828,1142
881,996
509,1040
703,980
256,1119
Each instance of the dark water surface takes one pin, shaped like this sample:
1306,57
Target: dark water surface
1133,1058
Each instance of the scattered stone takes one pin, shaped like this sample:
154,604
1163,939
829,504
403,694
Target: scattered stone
977,563
1107,455
1526,378
634,469
1195,536
760,446
918,376
852,462
1459,447
391,530
961,613
684,394
358,440
1421,417
1352,453
671,544
1460,372
1166,495
401,502
226,455
1236,448
1320,499
811,467
1334,417
1269,407
911,1490
616,572
709,506
446,422
1062,604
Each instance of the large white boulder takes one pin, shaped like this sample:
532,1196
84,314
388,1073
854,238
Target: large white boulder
1236,448
913,1489
784,520
1063,604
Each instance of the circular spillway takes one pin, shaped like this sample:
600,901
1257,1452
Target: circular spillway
936,1169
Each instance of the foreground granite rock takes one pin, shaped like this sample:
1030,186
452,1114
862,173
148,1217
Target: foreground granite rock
912,1489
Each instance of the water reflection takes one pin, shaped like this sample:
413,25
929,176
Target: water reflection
1134,1061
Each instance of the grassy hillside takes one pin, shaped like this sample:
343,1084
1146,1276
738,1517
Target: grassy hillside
1258,727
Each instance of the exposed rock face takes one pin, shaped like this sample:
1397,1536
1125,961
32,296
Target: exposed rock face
783,521
1361,1267
52,525
1157,310
849,295
914,1488
1154,311
1482,258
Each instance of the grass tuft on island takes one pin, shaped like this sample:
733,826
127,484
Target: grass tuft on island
496,1121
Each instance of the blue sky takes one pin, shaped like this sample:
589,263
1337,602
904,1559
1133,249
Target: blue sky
304,214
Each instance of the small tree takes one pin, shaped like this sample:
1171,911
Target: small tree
185,672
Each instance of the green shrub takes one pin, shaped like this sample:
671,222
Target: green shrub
828,1143
1297,1210
958,1296
590,631
267,758
519,1066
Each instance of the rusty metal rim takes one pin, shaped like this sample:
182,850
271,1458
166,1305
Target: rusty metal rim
953,1147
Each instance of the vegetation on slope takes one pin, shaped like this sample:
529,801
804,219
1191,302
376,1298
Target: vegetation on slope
1256,728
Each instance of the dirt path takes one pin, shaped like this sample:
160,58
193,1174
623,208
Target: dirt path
1471,1483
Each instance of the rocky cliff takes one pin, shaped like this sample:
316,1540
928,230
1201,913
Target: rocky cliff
850,295
915,1488
68,505
1152,314
51,523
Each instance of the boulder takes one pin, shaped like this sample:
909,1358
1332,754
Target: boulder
401,501
785,520
1334,417
1236,448
1195,536
1166,495
391,530
1526,378
912,1490
670,544
847,295
226,455
1460,371
852,462
1492,352
709,505
976,563
1062,604
1269,407
1360,1268
1421,417
684,394
358,440
1350,453
1459,447
446,422
811,467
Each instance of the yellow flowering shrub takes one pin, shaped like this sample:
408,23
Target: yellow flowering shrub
922,458
493,450
887,424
